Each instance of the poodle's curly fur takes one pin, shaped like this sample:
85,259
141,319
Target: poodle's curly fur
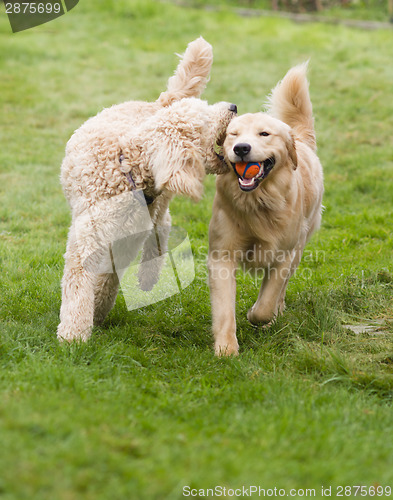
166,146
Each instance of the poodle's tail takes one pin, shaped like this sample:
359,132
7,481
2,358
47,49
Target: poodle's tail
290,102
192,73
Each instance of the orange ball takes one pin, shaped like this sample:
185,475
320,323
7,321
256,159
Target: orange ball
248,170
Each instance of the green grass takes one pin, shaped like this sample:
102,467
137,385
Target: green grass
375,10
144,408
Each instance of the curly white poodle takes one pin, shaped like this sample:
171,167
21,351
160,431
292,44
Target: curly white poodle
159,149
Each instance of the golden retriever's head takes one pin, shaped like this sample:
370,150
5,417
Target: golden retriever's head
259,138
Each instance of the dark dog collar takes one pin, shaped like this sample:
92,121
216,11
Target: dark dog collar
149,199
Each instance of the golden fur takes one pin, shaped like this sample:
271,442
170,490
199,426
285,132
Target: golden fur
268,226
167,146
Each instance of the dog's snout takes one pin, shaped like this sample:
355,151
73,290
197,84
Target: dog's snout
233,108
242,149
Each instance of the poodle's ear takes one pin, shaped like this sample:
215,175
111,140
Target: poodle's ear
291,147
179,169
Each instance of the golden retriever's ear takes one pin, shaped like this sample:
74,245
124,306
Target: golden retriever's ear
292,149
179,170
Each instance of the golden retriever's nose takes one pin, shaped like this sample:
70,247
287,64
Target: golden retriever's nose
242,149
233,108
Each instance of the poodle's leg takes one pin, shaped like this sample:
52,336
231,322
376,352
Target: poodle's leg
105,293
107,285
77,307
153,257
222,282
154,250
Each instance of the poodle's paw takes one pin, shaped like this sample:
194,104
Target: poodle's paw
67,334
99,319
149,273
147,281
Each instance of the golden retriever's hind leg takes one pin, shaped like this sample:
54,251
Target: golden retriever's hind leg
222,282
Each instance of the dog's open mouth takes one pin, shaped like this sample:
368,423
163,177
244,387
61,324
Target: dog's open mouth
252,173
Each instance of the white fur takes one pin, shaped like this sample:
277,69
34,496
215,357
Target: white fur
167,146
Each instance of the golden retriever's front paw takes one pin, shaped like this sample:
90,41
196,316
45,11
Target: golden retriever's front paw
259,319
227,349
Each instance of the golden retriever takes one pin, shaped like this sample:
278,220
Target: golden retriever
264,221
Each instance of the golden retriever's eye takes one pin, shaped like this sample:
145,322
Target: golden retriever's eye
264,134
233,134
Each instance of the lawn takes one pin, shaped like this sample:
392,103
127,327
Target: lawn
367,10
144,409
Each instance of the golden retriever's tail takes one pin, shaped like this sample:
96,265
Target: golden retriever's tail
290,102
192,73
